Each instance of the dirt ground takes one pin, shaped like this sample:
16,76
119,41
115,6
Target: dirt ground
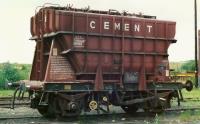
26,115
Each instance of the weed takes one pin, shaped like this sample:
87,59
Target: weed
191,115
156,119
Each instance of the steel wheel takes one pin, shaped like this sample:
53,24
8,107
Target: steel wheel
43,110
47,111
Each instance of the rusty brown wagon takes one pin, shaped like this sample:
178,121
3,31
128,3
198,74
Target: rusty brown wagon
86,60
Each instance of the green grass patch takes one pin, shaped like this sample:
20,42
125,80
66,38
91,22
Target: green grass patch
9,93
156,120
190,115
195,93
6,93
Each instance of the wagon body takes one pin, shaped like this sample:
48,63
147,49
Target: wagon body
100,49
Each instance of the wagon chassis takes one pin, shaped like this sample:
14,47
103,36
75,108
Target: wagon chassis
57,101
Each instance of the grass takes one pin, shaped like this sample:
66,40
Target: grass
6,93
156,120
194,94
190,115
9,93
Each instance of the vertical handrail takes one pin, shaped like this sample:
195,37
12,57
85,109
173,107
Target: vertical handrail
196,44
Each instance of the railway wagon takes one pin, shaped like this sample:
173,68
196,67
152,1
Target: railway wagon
88,60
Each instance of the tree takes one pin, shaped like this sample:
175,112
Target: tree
188,66
13,72
24,71
2,79
10,73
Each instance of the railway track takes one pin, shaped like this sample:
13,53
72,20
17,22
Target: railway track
28,117
120,114
182,109
191,99
120,118
6,102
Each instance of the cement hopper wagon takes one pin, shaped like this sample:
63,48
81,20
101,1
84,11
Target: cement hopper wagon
87,60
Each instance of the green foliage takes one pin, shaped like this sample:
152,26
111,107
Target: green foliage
188,66
176,66
180,67
2,79
24,71
13,72
10,73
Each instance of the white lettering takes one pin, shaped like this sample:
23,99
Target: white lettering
106,25
126,27
137,27
117,26
92,24
149,28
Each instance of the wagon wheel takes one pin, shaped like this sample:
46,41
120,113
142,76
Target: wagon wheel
63,110
161,105
48,110
158,109
130,109
151,108
44,111
74,113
